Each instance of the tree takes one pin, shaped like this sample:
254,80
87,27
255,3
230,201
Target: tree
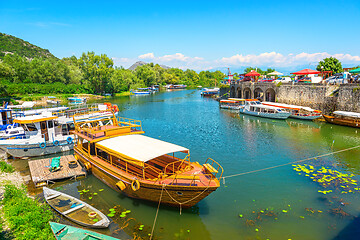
6,71
97,70
121,80
330,64
146,74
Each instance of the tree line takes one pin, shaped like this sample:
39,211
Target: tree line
90,73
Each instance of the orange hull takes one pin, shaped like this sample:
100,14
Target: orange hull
343,122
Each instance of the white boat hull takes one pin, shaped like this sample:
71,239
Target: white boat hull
310,118
231,107
280,115
33,150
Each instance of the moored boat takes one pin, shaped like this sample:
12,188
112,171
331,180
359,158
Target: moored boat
141,91
351,119
76,210
298,112
233,104
209,91
77,100
66,232
143,167
255,108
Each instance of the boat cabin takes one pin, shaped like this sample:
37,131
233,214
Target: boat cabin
46,125
5,118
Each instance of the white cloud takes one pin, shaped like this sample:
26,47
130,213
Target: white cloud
267,59
147,56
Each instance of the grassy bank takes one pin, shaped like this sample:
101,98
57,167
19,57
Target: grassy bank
122,94
21,217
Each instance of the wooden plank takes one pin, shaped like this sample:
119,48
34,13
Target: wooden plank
39,170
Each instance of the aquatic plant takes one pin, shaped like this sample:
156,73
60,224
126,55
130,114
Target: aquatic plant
328,178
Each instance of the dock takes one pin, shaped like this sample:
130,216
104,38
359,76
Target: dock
41,175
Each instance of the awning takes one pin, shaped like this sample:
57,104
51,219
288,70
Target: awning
276,73
306,72
347,114
138,147
253,73
357,70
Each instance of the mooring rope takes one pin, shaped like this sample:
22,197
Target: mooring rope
157,211
180,203
281,165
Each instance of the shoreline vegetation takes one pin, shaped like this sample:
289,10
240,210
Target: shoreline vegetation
89,74
21,217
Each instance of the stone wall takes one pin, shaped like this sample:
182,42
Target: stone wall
349,98
326,98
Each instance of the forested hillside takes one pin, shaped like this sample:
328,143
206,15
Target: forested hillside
13,45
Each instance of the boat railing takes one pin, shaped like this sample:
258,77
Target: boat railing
172,169
215,166
134,124
190,177
119,166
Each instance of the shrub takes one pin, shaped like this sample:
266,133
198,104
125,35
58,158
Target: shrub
27,218
5,167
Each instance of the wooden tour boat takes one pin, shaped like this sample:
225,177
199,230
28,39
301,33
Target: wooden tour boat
143,167
75,209
351,119
66,232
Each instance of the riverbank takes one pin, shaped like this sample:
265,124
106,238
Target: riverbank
41,100
21,216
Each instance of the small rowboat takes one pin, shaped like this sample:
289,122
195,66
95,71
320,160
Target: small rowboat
75,210
66,232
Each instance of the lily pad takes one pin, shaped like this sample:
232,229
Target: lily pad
95,220
95,193
90,198
100,190
111,209
111,215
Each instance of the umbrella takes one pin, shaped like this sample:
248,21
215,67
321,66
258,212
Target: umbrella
357,70
253,73
305,72
276,73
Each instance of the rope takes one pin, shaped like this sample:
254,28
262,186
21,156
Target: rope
157,211
180,203
281,165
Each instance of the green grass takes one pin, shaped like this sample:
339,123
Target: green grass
122,94
5,167
27,218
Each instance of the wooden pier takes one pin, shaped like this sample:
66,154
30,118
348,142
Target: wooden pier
41,175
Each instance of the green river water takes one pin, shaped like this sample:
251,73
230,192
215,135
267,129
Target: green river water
294,207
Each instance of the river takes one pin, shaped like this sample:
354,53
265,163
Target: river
276,203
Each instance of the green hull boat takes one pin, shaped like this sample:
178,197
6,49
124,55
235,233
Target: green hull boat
66,232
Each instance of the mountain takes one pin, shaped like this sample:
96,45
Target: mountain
10,45
141,63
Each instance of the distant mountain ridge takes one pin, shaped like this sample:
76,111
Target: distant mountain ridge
11,45
141,63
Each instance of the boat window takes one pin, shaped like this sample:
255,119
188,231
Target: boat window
64,129
31,127
258,102
85,144
50,124
100,153
56,124
92,148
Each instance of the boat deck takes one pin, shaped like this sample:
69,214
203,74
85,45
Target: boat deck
41,176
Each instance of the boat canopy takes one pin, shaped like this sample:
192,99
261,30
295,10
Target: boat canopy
228,101
236,99
289,106
35,118
138,147
347,114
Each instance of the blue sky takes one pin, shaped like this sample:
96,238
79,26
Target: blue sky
192,34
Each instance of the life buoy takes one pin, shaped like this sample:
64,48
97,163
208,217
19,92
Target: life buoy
135,185
42,145
87,166
56,143
121,185
69,140
92,214
9,127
